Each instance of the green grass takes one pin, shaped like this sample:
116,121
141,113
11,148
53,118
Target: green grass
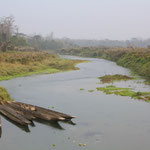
4,96
19,64
125,92
45,71
136,59
116,77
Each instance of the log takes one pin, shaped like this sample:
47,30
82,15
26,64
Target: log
11,114
20,110
33,112
45,111
16,114
23,114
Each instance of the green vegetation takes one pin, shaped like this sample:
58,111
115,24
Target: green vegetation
53,145
90,91
4,96
116,77
125,92
81,89
17,64
136,59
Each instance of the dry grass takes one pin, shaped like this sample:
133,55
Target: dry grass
4,96
14,64
116,77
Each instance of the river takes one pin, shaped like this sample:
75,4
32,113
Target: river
104,122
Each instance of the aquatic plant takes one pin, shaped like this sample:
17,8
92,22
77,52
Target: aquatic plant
116,77
80,144
91,91
111,89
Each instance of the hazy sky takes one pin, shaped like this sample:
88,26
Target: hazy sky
89,19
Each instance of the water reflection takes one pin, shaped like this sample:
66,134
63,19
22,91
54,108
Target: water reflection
23,128
53,124
69,122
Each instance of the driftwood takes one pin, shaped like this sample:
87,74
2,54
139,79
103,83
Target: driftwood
24,114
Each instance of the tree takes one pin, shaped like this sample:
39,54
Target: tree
7,28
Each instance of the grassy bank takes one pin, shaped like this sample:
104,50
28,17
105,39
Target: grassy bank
18,64
4,96
136,59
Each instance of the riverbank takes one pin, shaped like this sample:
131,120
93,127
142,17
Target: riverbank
136,59
19,64
4,95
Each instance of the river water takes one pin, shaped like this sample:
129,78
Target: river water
104,122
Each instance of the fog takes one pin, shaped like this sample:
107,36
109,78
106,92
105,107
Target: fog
81,19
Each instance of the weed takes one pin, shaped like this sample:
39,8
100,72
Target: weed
125,92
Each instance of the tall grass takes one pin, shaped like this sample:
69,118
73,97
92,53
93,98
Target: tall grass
15,64
136,59
4,96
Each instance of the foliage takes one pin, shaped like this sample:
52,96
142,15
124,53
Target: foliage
116,77
15,64
136,59
134,42
125,92
19,41
90,91
7,28
4,96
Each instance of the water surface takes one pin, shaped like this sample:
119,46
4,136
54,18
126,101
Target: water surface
104,122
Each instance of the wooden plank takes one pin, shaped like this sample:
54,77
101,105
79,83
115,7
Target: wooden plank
11,116
21,110
37,114
45,111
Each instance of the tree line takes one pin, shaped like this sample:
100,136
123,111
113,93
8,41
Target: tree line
11,38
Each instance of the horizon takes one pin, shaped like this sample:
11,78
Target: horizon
86,19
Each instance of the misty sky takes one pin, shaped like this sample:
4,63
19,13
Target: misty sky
83,19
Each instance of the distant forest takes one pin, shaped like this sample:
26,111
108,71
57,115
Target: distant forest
134,42
10,38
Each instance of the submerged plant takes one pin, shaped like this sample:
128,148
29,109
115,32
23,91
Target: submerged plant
111,89
91,91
